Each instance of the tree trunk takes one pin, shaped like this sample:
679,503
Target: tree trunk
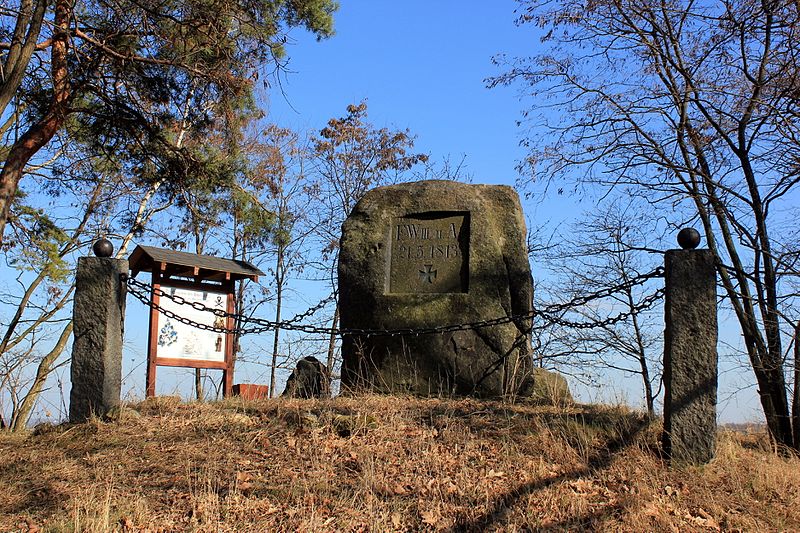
645,371
21,306
198,384
43,131
796,391
198,376
278,303
332,342
23,43
767,292
768,372
19,419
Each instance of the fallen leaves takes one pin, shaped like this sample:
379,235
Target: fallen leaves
495,474
397,520
29,526
399,489
434,519
702,518
430,517
417,465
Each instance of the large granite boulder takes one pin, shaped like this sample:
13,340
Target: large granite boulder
428,254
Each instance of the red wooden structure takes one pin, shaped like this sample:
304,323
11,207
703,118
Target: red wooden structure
172,270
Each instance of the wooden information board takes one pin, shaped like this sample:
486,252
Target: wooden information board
190,278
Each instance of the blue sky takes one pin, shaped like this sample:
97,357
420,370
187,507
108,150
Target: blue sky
420,65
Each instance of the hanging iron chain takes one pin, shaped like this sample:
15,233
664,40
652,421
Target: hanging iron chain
604,293
144,297
310,311
551,313
141,291
645,304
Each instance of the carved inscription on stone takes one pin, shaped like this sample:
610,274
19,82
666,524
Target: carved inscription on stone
429,253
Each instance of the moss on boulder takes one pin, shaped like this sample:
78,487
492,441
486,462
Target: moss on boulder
430,254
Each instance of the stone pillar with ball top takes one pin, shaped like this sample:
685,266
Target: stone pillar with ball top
98,321
690,352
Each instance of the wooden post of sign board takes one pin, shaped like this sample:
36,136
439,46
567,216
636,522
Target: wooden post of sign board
152,336
230,324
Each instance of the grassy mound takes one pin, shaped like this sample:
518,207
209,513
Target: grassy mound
383,464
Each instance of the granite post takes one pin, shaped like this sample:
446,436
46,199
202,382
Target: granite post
98,319
690,357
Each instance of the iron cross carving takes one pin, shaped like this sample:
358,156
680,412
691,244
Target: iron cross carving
427,275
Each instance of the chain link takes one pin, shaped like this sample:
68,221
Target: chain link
310,311
645,304
551,313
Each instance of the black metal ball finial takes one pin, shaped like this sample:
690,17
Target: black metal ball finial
688,238
103,248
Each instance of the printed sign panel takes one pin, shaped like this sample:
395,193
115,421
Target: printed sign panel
177,340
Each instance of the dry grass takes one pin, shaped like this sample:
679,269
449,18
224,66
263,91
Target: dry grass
384,464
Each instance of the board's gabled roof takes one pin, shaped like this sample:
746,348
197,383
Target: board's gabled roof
149,258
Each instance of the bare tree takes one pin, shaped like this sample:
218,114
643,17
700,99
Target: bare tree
278,186
352,156
604,249
693,107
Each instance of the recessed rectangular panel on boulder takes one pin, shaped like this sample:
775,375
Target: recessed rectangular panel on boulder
429,253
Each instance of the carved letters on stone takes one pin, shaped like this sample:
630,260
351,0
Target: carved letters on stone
429,253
